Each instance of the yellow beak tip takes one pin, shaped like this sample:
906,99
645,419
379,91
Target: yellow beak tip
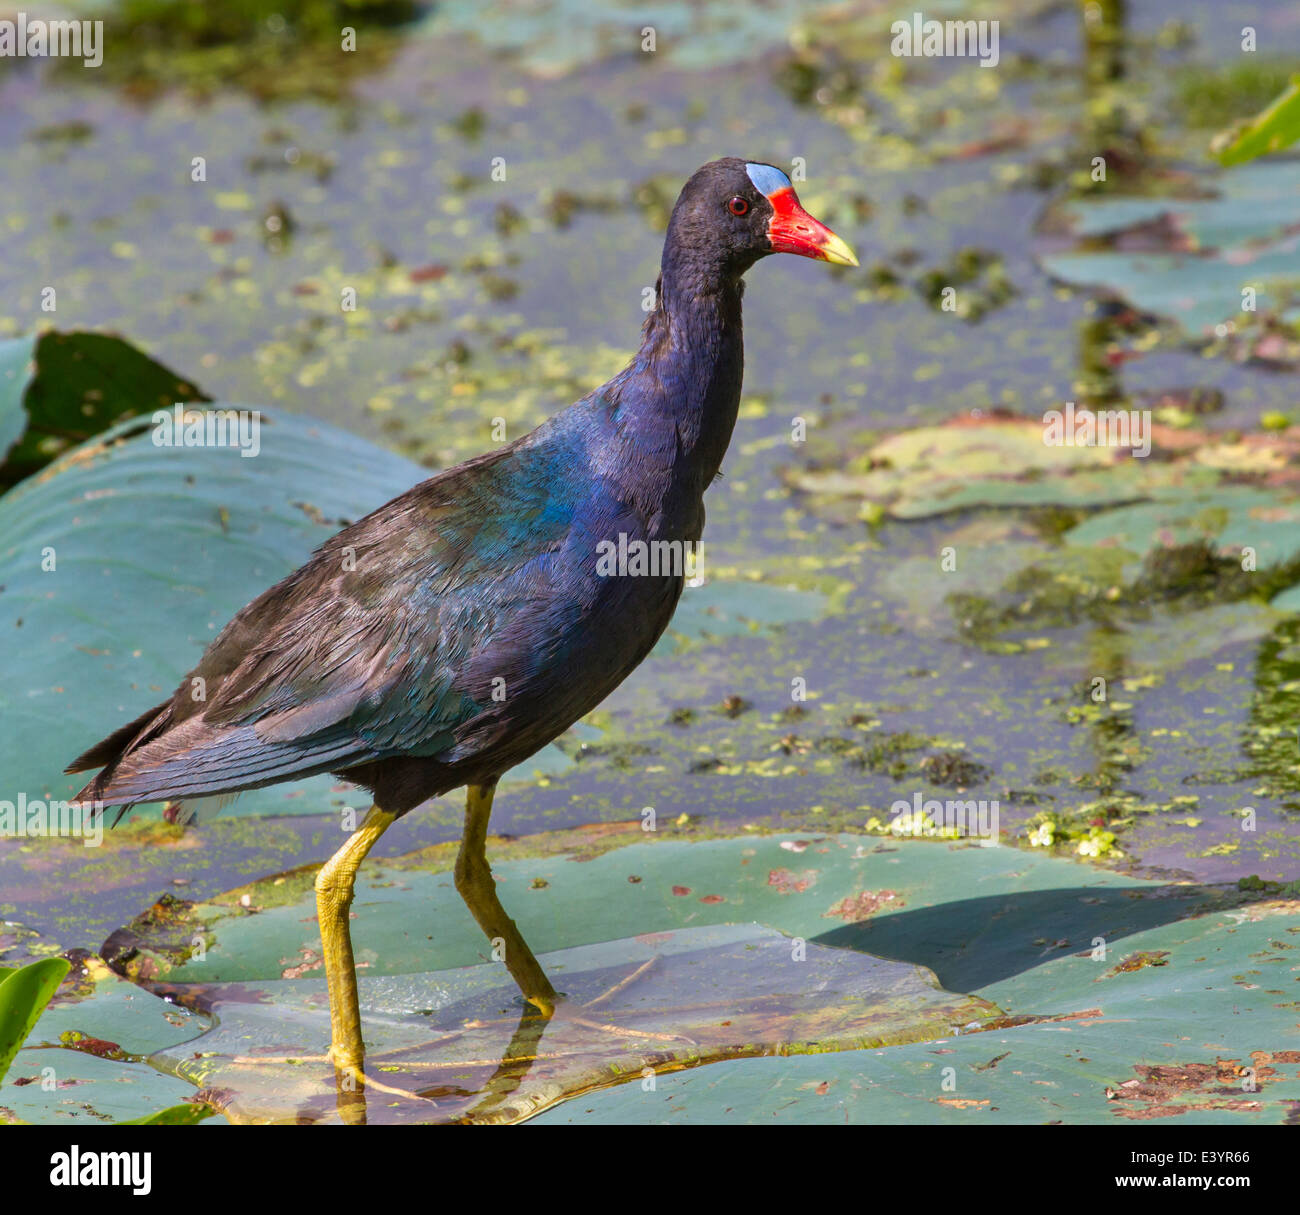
838,253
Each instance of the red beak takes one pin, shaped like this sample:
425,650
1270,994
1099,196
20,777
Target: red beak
792,230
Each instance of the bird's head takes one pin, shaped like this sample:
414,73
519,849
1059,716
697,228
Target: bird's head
732,212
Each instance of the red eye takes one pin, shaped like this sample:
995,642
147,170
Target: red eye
738,206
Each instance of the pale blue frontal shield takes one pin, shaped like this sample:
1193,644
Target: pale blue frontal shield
766,179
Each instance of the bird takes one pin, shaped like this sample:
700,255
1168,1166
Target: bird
462,626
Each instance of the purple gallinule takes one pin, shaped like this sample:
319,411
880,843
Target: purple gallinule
461,627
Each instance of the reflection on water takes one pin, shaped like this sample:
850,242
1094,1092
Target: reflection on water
453,1046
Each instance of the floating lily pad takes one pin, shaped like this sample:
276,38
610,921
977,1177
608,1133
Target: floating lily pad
932,469
1243,236
1007,462
1158,648
1288,601
702,946
1207,1037
448,1047
715,919
558,36
728,609
83,1090
15,358
84,1061
1203,519
1231,517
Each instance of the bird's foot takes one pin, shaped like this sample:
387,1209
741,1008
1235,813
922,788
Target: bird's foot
348,1064
545,1005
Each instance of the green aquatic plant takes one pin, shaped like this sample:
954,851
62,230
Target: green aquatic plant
1277,127
183,24
1052,830
270,49
25,992
60,388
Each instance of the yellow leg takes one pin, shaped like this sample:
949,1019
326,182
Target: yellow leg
334,886
477,887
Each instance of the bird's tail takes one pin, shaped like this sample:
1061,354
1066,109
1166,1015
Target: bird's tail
110,752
